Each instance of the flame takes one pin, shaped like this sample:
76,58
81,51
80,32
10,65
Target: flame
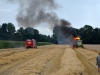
75,47
76,38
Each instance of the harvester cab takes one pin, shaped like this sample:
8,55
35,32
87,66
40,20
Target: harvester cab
77,43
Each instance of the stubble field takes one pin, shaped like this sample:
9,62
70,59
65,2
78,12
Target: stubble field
49,60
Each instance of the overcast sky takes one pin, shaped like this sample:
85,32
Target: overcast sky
78,12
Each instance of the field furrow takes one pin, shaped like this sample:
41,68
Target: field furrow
48,60
89,68
8,67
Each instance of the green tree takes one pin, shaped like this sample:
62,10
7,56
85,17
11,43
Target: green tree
36,34
86,33
0,33
29,33
54,38
19,35
43,38
96,36
10,30
4,28
4,31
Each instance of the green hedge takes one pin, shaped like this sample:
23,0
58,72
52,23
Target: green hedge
44,43
16,44
11,44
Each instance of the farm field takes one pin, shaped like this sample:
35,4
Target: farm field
93,47
48,60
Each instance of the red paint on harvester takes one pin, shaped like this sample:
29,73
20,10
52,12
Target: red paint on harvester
31,43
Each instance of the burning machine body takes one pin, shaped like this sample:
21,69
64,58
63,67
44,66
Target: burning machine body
77,42
67,35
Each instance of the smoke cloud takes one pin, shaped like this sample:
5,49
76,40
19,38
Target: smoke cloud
35,12
65,33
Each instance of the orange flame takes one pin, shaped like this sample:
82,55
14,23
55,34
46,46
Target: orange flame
76,38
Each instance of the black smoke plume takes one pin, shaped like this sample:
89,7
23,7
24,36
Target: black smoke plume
65,33
36,12
67,29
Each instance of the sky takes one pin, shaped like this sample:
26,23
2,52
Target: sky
77,12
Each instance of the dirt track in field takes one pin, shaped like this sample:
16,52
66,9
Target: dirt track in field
48,60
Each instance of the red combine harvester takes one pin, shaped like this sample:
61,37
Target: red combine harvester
31,43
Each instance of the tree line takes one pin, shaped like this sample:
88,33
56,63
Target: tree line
88,34
9,32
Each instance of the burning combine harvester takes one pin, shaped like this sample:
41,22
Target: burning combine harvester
66,35
78,42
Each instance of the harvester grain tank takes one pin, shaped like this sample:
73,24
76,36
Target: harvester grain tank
31,43
77,42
